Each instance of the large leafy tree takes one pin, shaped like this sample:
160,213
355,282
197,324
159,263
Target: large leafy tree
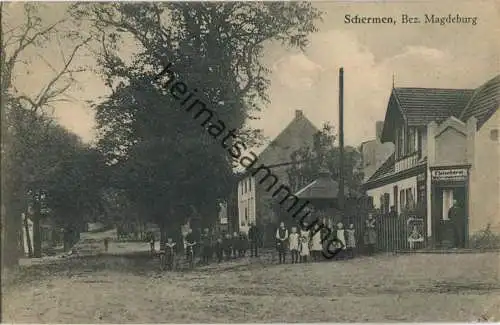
168,164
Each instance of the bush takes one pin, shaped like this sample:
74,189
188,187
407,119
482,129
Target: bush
485,239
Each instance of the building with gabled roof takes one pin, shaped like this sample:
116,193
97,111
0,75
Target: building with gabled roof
255,204
447,150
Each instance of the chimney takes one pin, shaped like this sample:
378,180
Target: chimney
298,113
379,125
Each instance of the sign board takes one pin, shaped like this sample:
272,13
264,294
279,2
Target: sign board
456,174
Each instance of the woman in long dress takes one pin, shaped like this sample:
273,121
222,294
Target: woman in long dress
370,236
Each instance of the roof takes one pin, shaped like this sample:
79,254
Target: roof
420,106
299,133
387,167
324,187
484,102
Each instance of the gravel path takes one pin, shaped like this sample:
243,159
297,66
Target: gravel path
418,288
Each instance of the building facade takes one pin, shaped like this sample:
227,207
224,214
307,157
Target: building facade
446,152
255,203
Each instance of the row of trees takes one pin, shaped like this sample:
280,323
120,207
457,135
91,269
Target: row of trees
42,164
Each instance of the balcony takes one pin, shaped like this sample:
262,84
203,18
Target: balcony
406,162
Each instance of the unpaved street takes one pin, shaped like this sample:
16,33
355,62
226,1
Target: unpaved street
454,287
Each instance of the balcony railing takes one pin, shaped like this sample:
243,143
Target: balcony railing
406,162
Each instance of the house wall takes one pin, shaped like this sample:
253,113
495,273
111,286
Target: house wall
484,183
246,202
403,184
450,148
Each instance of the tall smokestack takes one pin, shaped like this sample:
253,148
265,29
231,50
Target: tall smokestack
341,139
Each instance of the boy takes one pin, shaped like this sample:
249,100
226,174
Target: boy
294,241
170,253
236,244
206,246
281,240
219,249
228,246
243,244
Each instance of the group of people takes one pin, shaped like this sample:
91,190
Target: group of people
222,246
302,244
307,243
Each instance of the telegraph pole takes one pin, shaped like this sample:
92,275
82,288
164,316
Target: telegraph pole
341,140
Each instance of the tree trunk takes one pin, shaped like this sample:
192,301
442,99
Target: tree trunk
37,236
28,238
11,226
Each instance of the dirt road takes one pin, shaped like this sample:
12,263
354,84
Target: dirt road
457,287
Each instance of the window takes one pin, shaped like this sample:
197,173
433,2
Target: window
419,144
402,200
385,201
410,202
246,185
400,138
412,137
249,184
494,134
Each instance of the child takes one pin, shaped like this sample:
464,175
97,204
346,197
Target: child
304,247
341,243
228,246
152,242
170,253
235,244
294,245
219,249
281,241
243,244
106,244
351,240
316,243
206,246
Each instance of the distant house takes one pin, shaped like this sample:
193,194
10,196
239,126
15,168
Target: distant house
446,149
374,153
255,203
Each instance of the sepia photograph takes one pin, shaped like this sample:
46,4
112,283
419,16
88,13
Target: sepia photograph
250,161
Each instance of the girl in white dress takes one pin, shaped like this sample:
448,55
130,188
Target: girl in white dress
316,244
304,248
341,240
294,241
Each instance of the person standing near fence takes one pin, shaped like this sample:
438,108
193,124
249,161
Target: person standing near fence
351,241
370,236
281,241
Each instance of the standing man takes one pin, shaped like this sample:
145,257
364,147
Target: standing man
281,241
457,219
254,237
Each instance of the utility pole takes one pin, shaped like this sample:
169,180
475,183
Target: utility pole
341,140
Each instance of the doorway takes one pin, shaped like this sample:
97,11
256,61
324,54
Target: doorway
449,206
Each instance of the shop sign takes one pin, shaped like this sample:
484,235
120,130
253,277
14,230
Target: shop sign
457,174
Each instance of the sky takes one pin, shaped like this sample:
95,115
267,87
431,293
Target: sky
373,57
